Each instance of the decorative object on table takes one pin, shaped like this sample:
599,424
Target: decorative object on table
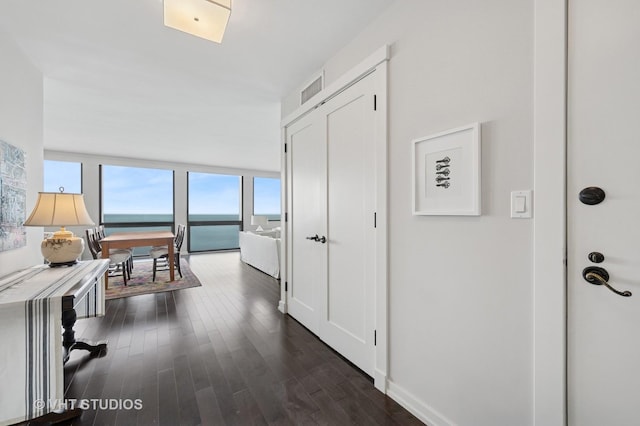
202,18
260,221
141,281
60,209
446,172
13,197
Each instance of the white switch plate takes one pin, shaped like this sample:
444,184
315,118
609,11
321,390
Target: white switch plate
521,204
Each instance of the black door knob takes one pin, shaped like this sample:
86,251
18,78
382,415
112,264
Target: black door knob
591,195
596,257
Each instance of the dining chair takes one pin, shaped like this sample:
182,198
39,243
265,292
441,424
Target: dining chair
119,259
101,233
160,254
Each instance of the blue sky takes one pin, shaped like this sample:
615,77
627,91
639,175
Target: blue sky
62,173
266,196
134,190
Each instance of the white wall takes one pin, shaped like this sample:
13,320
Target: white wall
460,288
21,126
91,183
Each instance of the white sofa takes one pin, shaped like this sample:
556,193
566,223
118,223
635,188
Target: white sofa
262,251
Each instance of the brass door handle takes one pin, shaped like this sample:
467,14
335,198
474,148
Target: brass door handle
599,276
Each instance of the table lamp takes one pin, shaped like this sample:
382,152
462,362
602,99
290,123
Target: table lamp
60,209
260,221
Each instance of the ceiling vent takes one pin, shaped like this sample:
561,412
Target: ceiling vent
312,89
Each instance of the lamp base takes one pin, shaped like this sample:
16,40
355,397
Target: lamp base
62,252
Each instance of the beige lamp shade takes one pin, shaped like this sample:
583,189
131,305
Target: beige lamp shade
60,209
202,18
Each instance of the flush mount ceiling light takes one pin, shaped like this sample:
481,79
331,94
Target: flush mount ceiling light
202,18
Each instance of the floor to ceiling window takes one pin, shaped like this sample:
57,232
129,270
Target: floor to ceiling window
214,211
266,197
136,199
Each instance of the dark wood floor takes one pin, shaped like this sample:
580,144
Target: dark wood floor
220,354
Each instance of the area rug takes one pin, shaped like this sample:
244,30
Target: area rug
140,282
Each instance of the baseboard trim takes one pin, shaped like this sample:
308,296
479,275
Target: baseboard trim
282,307
419,409
380,380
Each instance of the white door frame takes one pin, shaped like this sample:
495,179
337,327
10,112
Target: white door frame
376,63
550,241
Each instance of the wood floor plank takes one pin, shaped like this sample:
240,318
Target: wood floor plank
219,354
208,407
168,410
187,403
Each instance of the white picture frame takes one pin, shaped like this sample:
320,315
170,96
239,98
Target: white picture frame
446,173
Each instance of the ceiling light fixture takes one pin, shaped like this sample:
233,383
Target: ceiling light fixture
202,18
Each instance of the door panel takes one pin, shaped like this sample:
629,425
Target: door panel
603,147
307,166
348,326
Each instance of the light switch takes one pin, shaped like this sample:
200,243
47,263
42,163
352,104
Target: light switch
521,204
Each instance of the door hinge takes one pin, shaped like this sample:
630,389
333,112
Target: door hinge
286,286
375,102
286,217
375,337
285,148
375,219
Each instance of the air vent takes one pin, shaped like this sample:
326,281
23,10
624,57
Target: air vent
311,90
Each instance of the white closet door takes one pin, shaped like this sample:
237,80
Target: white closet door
308,217
348,295
331,184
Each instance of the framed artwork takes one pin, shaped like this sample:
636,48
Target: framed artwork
446,173
13,197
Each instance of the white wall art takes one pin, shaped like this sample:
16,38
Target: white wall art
446,173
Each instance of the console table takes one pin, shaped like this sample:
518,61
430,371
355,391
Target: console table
36,305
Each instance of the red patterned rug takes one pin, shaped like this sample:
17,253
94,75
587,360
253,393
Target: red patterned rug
140,282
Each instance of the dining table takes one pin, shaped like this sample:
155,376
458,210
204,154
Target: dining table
127,240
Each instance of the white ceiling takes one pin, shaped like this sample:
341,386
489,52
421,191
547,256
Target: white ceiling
118,82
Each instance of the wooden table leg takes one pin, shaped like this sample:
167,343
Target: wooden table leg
69,341
105,255
172,260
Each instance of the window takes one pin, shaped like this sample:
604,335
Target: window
214,211
62,174
136,199
266,197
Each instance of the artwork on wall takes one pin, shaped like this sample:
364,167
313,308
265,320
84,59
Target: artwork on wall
446,172
13,197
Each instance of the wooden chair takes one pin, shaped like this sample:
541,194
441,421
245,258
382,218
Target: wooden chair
100,231
160,254
119,259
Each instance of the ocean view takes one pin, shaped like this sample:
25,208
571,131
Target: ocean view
206,237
